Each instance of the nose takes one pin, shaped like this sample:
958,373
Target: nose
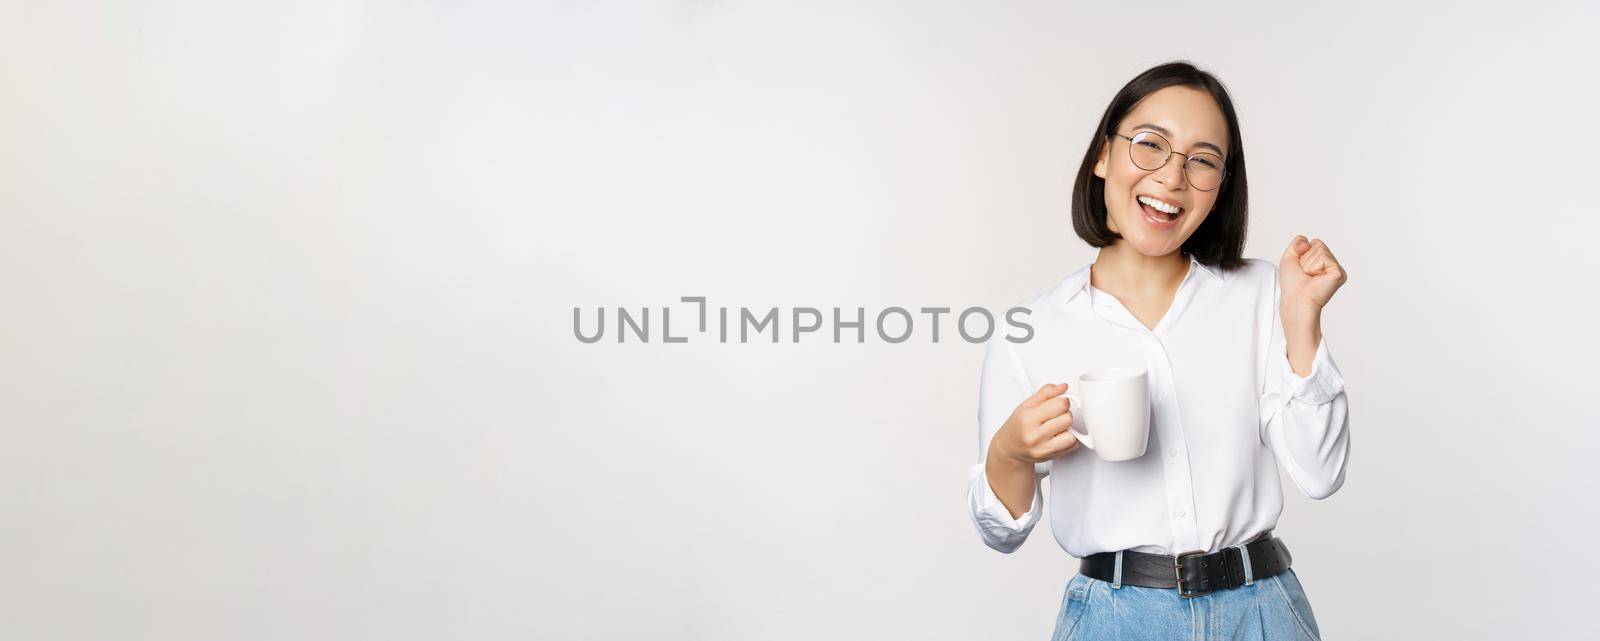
1171,174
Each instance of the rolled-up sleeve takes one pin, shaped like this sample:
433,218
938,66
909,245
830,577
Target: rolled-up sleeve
1305,420
1003,385
994,522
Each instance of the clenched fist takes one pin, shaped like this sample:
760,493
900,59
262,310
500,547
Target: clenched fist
1308,275
1037,430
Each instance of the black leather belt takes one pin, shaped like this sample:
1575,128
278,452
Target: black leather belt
1192,573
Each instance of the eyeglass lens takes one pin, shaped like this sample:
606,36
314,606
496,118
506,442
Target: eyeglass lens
1150,152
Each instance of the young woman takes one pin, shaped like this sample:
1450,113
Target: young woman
1177,543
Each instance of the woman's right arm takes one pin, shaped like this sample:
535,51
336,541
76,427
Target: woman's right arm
1018,434
1013,482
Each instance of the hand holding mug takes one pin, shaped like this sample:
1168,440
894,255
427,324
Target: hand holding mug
1038,430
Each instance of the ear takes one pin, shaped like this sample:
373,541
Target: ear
1100,163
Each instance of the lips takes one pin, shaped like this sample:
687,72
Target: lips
1158,219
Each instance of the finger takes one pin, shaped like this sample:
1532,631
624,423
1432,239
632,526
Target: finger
1055,426
1314,261
1051,408
1062,443
1297,246
1049,391
1318,267
1331,263
1334,270
1318,247
1315,246
1319,260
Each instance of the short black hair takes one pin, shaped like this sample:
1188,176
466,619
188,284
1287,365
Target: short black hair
1220,239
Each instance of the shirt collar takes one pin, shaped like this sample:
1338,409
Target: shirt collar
1209,270
1078,281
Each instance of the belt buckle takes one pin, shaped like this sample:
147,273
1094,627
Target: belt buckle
1177,572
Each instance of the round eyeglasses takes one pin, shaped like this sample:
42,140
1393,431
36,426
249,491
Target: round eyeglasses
1149,151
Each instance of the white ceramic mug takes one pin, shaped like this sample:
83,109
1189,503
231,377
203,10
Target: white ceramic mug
1114,404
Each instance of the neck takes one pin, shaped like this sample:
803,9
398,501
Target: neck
1121,268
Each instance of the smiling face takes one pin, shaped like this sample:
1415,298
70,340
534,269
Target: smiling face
1190,120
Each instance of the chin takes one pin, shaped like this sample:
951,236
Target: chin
1152,246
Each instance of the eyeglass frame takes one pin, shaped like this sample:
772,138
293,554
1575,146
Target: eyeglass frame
1170,152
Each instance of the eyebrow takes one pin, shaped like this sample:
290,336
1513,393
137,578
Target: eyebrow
1163,131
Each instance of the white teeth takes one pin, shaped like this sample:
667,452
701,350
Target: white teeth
1159,206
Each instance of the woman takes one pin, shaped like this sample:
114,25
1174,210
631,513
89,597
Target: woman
1176,543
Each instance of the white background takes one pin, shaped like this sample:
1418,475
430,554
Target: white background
286,297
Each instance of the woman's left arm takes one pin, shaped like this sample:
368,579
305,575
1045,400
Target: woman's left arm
1308,275
1304,409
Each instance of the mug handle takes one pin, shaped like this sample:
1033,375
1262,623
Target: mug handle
1077,403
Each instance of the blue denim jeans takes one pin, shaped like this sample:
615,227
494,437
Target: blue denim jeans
1270,609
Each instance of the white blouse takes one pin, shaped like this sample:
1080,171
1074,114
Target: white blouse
1226,412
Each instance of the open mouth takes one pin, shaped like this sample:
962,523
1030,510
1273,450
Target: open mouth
1158,210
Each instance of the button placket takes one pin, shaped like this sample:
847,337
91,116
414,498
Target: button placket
1165,419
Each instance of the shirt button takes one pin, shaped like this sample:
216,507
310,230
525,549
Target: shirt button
1182,512
1165,396
1172,452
